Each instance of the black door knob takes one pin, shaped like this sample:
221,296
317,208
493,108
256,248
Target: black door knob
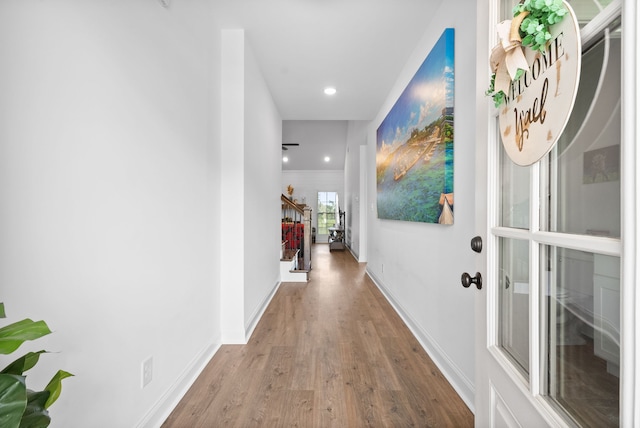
467,280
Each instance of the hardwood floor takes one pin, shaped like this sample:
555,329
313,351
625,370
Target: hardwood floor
328,353
585,388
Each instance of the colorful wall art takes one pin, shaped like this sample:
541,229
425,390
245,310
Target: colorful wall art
414,154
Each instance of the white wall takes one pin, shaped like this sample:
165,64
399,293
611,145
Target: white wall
250,235
356,137
306,186
263,131
419,265
109,170
232,204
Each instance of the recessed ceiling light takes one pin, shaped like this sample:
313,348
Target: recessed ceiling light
285,159
330,91
327,158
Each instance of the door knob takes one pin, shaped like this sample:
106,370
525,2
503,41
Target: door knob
467,280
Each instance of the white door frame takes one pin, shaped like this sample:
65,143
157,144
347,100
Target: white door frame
488,402
630,161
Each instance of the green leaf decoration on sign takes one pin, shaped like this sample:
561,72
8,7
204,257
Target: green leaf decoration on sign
534,29
534,32
498,97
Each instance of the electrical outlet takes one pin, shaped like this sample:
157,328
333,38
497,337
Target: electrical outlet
147,371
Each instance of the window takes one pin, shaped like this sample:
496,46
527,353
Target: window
327,208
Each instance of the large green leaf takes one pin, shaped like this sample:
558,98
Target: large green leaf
24,363
13,400
13,335
36,415
55,387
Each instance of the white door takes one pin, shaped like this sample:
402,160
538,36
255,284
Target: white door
555,318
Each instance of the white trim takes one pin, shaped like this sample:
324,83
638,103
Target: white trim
590,33
630,159
591,244
485,130
257,315
353,253
535,372
159,413
498,405
493,215
362,253
538,401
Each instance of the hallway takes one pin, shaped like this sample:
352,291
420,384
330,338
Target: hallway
331,352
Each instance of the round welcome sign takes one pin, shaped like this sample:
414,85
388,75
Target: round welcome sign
539,103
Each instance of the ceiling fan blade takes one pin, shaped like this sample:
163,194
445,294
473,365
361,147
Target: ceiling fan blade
284,148
290,144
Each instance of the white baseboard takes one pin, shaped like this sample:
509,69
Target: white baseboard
353,253
255,318
460,382
170,399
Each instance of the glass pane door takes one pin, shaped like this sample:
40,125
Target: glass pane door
558,230
513,297
582,364
582,323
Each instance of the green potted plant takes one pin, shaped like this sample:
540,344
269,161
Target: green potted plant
21,407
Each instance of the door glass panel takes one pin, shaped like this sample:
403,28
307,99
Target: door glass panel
582,330
506,9
585,164
586,10
514,194
513,300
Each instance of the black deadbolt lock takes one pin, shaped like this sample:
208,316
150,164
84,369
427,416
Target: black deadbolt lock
476,244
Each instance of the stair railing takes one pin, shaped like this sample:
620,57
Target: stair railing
296,232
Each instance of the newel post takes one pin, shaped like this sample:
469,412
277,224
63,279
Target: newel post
307,238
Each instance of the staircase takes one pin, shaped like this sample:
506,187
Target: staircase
289,271
295,254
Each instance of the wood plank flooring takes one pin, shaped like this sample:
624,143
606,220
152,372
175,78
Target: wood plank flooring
328,353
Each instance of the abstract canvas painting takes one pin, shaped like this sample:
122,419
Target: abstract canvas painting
414,147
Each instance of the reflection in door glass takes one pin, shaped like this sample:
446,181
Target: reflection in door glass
513,298
585,164
586,10
514,194
582,329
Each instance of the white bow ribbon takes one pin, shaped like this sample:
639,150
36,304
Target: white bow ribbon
508,56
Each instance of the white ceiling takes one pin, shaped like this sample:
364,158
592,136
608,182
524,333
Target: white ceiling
302,46
358,46
317,139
